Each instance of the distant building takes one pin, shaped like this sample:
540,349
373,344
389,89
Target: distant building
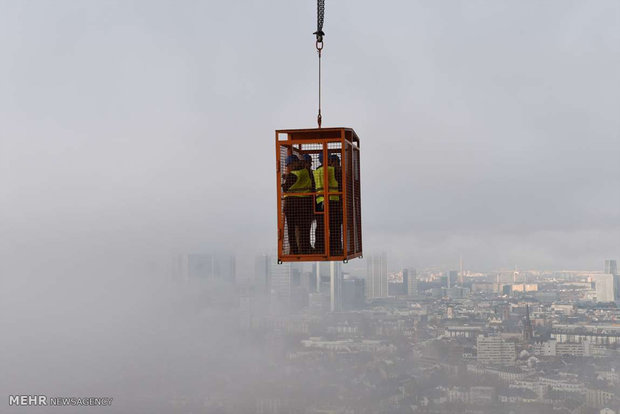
463,331
410,280
505,310
576,349
524,287
376,276
598,398
450,312
286,290
207,267
481,395
456,292
611,267
329,275
494,350
396,289
308,281
545,348
607,287
483,287
606,335
262,273
437,292
352,294
280,284
318,302
528,333
451,278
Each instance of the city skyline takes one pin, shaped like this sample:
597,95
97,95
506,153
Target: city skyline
279,281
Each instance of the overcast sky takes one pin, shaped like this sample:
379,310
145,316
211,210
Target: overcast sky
138,129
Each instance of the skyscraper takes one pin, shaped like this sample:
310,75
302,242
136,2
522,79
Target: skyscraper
451,278
286,290
376,276
611,267
335,290
528,332
207,267
262,273
280,286
410,280
329,276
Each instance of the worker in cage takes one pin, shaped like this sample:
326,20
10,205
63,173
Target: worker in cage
335,206
307,163
297,207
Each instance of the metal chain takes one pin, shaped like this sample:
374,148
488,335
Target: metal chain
320,17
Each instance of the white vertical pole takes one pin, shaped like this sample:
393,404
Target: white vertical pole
332,287
318,277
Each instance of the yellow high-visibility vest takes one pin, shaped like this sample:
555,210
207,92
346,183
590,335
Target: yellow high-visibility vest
318,182
302,185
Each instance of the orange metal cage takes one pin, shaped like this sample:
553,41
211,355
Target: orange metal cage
319,210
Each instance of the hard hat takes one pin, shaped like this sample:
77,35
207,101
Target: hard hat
291,159
307,157
334,157
321,156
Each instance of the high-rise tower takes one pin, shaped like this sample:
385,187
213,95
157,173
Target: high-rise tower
410,280
329,278
611,267
207,267
376,276
262,273
528,333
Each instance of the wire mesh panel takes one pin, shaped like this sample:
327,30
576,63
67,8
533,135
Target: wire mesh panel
356,200
332,178
350,213
296,200
317,210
